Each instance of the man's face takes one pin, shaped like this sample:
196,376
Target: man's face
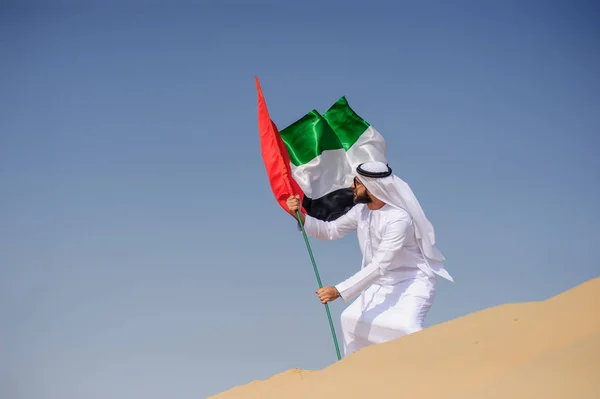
361,195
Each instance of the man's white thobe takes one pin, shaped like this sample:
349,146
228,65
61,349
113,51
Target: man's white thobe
395,286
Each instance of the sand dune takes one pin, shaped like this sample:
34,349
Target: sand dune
547,349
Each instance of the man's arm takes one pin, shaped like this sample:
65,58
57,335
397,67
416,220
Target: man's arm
391,243
324,230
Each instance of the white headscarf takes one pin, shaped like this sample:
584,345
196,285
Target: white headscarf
395,192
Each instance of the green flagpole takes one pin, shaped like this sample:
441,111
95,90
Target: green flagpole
337,349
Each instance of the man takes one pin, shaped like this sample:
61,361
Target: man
396,284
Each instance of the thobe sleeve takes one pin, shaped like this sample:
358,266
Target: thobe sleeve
334,229
391,243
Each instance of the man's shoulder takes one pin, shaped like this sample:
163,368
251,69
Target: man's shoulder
397,214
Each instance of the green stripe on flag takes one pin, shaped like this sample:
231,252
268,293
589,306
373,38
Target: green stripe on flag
308,137
346,124
314,133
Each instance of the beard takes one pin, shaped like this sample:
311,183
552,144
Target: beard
362,198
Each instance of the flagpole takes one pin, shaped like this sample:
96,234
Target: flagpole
337,349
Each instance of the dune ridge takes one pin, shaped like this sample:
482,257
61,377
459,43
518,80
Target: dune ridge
545,349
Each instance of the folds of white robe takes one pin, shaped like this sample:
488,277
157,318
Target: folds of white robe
386,312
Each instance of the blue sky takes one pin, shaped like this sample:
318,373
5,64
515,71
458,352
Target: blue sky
142,254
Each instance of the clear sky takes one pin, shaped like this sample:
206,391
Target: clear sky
142,254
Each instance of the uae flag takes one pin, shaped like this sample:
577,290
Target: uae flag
316,156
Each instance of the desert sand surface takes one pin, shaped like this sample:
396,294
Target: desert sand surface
548,349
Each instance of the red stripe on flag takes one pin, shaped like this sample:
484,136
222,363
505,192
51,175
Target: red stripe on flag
275,156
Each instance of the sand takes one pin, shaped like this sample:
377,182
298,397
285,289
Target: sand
548,349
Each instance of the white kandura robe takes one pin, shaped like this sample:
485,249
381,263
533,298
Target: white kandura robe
395,286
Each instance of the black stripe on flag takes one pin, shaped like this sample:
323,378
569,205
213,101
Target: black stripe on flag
331,206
